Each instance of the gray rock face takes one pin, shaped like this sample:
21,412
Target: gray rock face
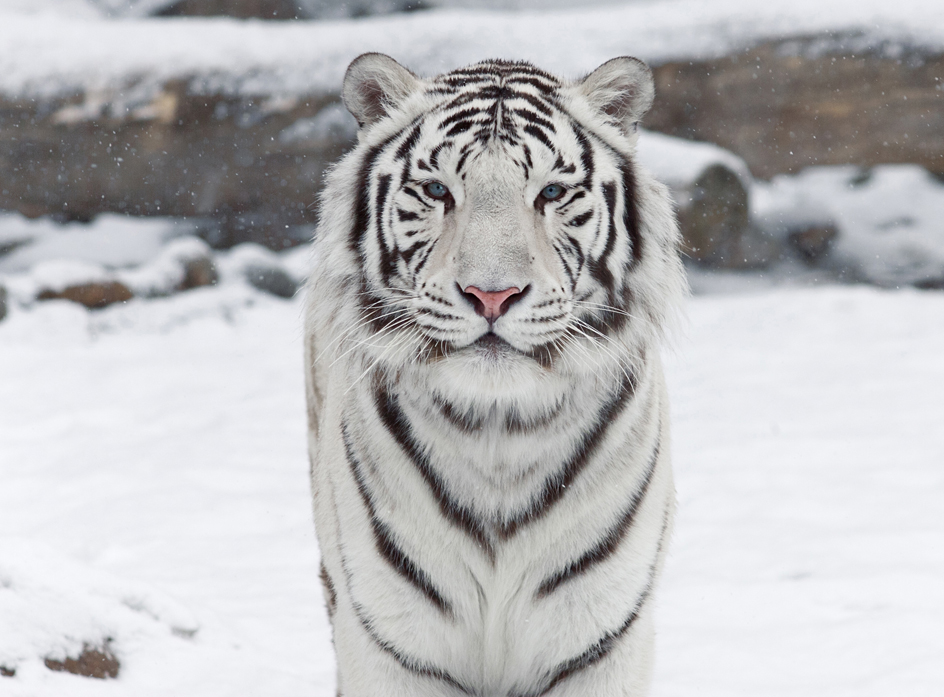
240,9
715,221
214,158
272,280
790,104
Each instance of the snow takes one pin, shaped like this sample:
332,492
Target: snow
111,240
57,53
154,490
889,218
678,162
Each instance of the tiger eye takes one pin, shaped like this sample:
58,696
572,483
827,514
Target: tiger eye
436,189
552,192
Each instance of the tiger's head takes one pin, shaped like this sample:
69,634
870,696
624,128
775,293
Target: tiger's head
494,217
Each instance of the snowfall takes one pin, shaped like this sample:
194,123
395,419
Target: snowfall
154,492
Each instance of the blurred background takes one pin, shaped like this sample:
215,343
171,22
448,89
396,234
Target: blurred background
151,117
160,167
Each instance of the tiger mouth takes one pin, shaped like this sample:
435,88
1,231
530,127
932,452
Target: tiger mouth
492,344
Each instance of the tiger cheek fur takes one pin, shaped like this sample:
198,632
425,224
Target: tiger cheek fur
488,423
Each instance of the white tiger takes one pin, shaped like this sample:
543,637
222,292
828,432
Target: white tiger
488,418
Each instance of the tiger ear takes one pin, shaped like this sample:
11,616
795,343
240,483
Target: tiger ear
622,88
375,85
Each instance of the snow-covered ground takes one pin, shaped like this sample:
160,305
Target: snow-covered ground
153,490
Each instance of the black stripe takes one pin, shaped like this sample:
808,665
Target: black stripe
397,424
462,126
556,485
594,654
462,158
534,102
580,220
571,276
422,262
538,134
611,539
515,423
407,662
601,648
434,155
465,421
408,253
383,537
406,147
411,664
403,215
598,266
387,263
331,595
460,115
533,118
579,254
362,208
630,213
437,315
410,192
586,156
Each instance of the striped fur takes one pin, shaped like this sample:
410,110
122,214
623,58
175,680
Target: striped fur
493,497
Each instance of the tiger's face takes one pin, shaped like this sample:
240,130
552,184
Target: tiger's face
497,216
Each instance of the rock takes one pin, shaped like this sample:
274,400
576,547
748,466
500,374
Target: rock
177,150
714,218
271,280
199,271
94,295
817,100
240,9
93,662
804,226
261,268
812,243
7,672
3,302
183,264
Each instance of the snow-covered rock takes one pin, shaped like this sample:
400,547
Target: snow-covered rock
184,263
261,268
888,218
55,608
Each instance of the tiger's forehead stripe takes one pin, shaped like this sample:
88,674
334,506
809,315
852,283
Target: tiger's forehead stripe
497,99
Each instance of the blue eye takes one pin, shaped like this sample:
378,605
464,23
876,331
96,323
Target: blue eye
552,192
436,189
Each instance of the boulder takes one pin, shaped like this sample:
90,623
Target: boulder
198,271
183,264
812,242
272,280
94,294
94,662
261,268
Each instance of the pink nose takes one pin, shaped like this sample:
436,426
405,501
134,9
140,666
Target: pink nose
492,304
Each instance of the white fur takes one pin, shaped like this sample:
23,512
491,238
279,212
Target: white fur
500,636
